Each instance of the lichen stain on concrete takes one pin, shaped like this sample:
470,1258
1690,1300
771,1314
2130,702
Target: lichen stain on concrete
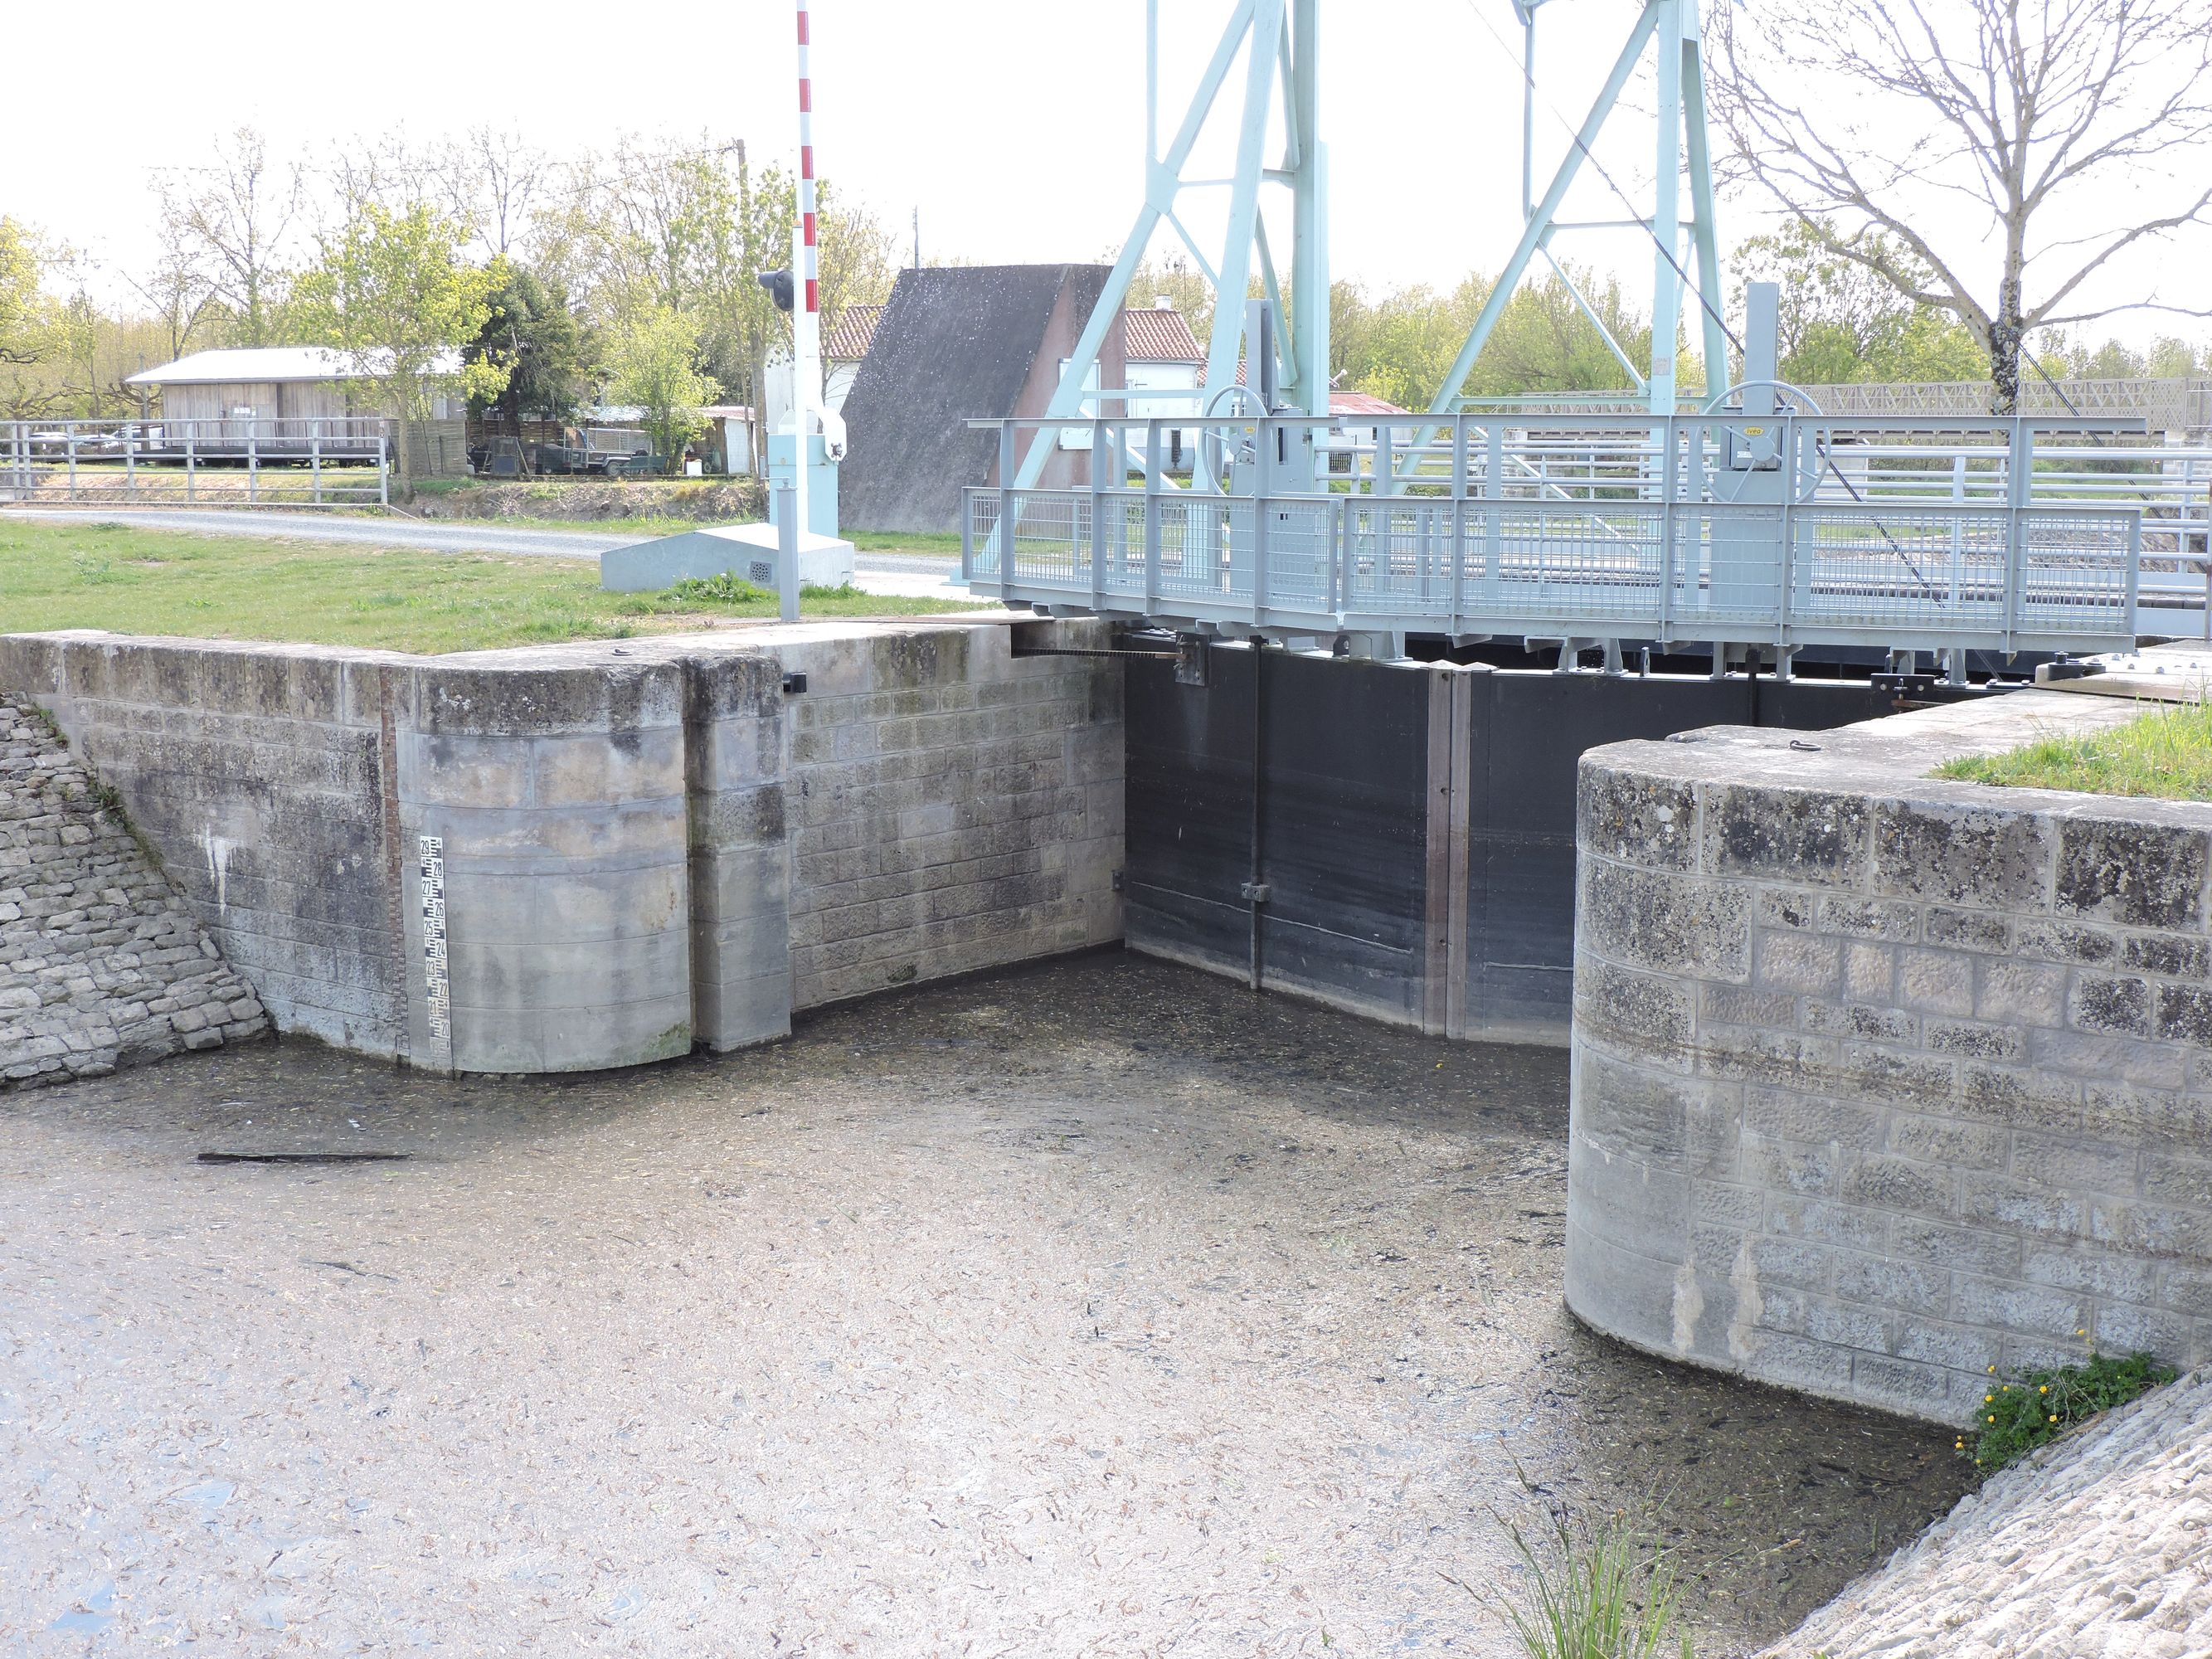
1689,1305
218,849
1743,1319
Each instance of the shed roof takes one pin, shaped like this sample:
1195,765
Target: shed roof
268,363
848,342
1362,402
1158,334
954,342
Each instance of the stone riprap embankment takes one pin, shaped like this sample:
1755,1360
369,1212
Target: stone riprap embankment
1880,1080
101,965
2099,1544
565,857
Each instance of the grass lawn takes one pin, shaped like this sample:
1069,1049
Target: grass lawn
2167,753
914,544
91,575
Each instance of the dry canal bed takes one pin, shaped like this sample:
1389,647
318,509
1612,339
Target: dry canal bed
1100,1309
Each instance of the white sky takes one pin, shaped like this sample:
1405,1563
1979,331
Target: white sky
1015,126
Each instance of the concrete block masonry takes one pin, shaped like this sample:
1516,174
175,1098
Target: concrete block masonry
1880,1081
574,857
100,964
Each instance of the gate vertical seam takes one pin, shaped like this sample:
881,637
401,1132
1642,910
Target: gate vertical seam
1437,851
1462,791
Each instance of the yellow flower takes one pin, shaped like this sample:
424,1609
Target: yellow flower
2045,1389
1993,1419
1993,1370
2054,1417
2080,1333
1987,1398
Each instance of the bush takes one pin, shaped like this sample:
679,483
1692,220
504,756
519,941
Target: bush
2038,1406
1606,1594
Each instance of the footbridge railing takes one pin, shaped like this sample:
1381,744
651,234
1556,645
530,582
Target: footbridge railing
1777,531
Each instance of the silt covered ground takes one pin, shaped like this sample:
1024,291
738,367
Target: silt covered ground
1099,1308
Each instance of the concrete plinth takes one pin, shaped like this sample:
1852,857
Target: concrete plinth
747,551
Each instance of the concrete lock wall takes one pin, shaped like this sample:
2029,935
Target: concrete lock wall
633,847
1881,1081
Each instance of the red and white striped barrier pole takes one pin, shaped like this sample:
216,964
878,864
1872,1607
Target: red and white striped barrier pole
806,307
810,273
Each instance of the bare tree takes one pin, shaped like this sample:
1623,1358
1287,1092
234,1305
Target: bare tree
178,289
2045,117
382,169
491,178
233,217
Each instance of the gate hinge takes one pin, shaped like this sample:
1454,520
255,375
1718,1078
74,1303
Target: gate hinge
1254,892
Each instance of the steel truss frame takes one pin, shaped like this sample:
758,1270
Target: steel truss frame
1281,69
1280,41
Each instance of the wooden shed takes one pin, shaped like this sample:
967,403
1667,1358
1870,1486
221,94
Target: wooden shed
278,395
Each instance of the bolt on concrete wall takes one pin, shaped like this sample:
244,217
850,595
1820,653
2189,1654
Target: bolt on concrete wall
1881,1081
633,847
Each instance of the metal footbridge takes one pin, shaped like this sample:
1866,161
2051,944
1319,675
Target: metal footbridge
1772,530
1755,517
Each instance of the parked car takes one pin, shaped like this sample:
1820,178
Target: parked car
578,458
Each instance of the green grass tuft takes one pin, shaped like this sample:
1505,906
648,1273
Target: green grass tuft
2038,1406
2166,754
725,588
1606,1594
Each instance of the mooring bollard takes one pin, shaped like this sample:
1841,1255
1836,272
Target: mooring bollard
787,552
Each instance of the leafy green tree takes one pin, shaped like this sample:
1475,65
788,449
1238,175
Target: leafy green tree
1543,342
655,363
1842,321
687,229
392,296
23,307
1399,347
1931,345
2167,358
2172,359
531,333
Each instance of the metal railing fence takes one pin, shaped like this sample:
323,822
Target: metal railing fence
336,461
1544,528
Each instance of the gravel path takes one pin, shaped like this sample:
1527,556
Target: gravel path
2099,1544
1102,1307
913,575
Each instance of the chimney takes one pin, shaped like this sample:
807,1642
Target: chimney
1162,303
